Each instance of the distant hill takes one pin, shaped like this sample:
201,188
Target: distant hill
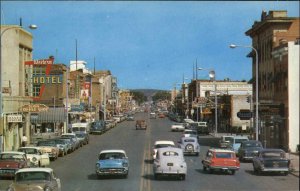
147,92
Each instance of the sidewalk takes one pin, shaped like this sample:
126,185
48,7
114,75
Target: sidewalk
294,163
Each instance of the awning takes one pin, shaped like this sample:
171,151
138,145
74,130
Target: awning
53,115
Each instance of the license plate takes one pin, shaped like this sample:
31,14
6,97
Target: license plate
170,164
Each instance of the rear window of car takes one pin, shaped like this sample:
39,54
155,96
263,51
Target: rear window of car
273,155
189,140
163,146
240,140
223,155
170,153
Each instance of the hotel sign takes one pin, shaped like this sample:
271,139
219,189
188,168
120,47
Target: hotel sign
35,108
47,79
14,118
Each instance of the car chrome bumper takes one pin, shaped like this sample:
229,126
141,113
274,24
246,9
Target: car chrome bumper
114,171
224,167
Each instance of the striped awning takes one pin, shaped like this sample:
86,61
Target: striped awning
53,115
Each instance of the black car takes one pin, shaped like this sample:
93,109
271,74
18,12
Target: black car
271,160
97,127
249,149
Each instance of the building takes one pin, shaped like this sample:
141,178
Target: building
16,48
274,38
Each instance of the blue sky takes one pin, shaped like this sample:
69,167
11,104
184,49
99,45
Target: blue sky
149,44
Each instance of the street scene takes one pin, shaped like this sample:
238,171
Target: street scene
149,96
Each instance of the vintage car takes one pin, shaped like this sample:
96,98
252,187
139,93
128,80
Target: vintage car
249,149
221,160
49,146
130,118
237,141
36,156
152,115
141,124
200,126
189,145
11,161
271,160
112,162
226,141
161,144
190,133
81,127
74,138
42,179
177,127
69,141
169,161
82,137
97,127
64,146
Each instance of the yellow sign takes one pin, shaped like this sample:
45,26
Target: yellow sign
206,111
35,108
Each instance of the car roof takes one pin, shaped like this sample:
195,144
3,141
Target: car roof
164,142
12,152
49,170
221,150
161,150
113,151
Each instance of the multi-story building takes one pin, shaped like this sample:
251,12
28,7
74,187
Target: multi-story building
16,48
274,38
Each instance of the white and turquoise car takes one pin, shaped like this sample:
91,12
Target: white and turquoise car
112,162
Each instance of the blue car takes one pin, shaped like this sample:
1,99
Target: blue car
111,163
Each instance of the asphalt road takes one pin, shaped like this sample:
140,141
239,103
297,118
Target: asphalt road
77,170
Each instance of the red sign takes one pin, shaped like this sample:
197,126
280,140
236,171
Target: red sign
40,62
87,85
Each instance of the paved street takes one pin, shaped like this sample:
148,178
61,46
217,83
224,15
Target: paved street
77,173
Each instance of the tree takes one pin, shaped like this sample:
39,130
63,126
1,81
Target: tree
139,96
161,95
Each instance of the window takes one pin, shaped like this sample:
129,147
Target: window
223,155
170,153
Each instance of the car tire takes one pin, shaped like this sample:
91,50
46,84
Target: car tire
204,168
211,171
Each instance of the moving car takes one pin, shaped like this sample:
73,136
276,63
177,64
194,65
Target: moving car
237,141
221,160
141,124
169,162
189,145
11,161
36,156
271,160
190,133
35,179
249,149
201,127
161,144
112,162
226,141
177,127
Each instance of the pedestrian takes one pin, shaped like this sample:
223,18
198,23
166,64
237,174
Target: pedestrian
24,141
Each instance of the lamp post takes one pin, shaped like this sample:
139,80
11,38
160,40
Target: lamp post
2,33
256,85
212,76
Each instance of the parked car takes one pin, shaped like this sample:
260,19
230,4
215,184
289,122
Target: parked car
97,127
11,161
189,145
177,127
74,138
110,124
82,137
271,160
141,124
36,156
161,144
70,141
249,149
226,141
63,146
221,160
35,179
81,127
169,161
112,162
237,141
130,118
49,146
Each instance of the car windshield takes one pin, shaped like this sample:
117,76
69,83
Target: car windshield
228,139
46,143
163,145
240,140
28,150
105,156
252,144
223,155
273,154
32,176
190,132
11,156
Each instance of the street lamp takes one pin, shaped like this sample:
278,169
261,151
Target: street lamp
212,76
256,84
2,32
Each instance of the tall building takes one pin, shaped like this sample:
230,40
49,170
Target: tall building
274,38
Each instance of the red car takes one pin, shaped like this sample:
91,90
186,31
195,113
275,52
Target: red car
221,160
11,161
